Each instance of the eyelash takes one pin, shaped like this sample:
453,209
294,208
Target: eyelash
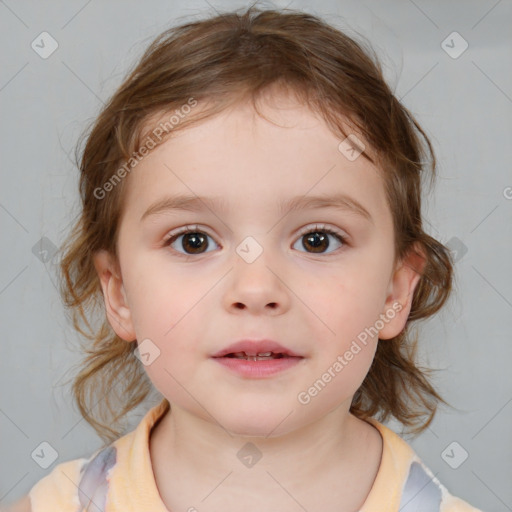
171,237
322,228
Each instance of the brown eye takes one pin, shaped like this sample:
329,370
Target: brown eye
316,241
192,242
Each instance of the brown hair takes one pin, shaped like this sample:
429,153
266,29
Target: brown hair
217,62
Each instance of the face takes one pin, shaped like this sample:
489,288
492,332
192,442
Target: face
241,264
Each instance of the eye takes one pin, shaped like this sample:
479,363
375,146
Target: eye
193,240
317,238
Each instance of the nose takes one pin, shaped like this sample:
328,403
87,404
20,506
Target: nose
258,287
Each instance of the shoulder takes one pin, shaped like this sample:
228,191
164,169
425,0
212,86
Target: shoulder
423,491
71,485
55,491
75,484
454,504
22,505
414,486
58,489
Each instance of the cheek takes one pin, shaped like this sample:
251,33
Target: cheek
167,306
344,350
348,303
159,300
338,379
169,320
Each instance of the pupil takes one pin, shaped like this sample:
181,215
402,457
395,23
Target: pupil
316,240
195,240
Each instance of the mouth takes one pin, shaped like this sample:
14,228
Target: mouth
252,359
258,366
262,356
256,350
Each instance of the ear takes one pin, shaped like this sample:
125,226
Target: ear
400,292
116,305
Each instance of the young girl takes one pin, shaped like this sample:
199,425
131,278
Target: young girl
251,225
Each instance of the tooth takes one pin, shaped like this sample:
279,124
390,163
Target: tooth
260,356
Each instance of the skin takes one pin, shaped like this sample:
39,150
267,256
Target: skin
313,303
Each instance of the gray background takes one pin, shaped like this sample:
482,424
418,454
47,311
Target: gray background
465,104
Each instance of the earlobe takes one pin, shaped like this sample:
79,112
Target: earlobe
114,295
401,292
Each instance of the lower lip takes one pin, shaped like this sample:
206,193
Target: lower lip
258,369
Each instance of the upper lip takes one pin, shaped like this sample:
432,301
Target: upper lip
254,347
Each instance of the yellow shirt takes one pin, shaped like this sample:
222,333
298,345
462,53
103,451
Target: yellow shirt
119,478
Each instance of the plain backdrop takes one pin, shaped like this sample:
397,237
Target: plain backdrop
461,96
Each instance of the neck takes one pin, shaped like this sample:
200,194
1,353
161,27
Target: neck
185,448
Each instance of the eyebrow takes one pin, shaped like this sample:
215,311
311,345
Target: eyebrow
339,201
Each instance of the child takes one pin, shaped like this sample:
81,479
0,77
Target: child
280,337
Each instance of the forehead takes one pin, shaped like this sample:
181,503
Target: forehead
250,159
